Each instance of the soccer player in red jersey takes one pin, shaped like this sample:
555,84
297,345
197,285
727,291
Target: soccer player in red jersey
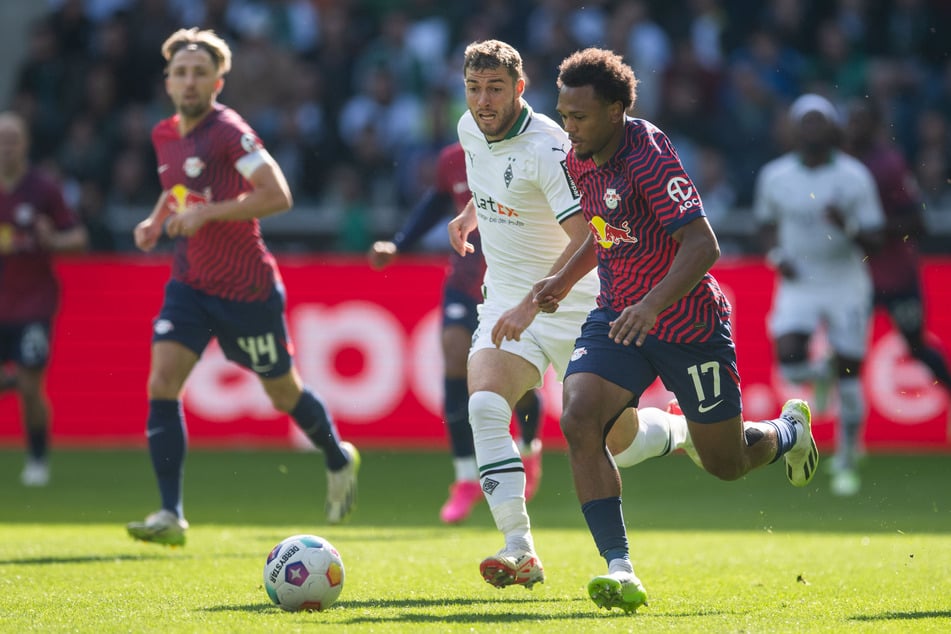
660,313
894,266
462,293
217,181
35,223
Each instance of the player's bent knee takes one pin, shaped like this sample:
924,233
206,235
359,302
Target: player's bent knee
578,431
489,413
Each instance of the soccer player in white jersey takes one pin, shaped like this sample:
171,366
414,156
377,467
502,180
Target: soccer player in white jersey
820,214
527,210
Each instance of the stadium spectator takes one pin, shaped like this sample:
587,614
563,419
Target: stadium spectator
659,314
462,293
895,268
35,223
820,214
764,53
218,180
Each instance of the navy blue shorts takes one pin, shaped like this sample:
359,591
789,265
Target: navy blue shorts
460,309
27,345
252,334
703,376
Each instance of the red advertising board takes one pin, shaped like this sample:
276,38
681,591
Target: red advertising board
367,342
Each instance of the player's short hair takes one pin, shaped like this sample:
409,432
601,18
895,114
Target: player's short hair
492,54
603,70
197,39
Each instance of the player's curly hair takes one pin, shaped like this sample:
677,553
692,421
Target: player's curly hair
491,54
603,70
195,39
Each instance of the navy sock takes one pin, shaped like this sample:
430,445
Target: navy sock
935,362
314,420
457,418
785,436
167,445
606,523
37,442
529,416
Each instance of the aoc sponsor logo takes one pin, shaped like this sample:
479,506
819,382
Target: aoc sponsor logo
681,191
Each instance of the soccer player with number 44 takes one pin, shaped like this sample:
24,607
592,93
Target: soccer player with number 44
217,181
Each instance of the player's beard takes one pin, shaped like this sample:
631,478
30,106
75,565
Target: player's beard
194,110
583,156
504,119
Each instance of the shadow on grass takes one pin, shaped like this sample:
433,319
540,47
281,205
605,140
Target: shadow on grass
404,611
42,561
903,616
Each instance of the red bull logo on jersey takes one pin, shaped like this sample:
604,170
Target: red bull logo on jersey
180,198
608,235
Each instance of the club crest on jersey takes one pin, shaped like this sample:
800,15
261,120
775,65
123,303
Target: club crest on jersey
23,214
612,198
193,167
607,235
509,175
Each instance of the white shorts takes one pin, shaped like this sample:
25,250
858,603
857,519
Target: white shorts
846,313
549,340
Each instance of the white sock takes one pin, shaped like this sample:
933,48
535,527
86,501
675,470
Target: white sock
851,414
798,373
621,565
500,467
658,433
466,469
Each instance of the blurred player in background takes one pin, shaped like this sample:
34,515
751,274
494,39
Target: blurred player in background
462,293
217,181
527,212
660,314
895,267
35,223
820,214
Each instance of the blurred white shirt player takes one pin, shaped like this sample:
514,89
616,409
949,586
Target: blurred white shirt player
820,212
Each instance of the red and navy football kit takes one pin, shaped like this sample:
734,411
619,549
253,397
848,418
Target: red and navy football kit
633,204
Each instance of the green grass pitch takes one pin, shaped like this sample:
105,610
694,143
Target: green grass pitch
751,556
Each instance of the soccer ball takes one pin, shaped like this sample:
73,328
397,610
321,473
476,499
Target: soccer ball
303,572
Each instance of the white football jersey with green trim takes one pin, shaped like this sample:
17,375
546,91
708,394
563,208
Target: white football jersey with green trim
521,191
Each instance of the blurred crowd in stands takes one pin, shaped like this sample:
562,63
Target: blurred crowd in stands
355,97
